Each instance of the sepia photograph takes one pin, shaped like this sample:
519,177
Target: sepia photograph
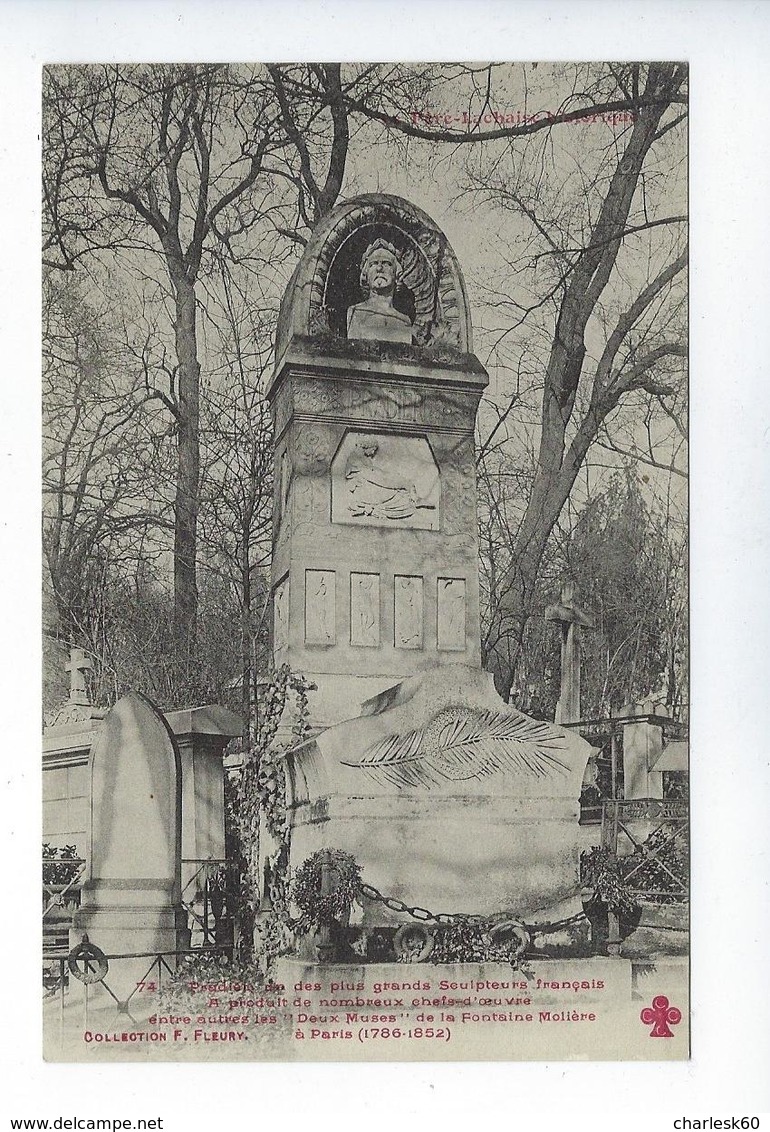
365,562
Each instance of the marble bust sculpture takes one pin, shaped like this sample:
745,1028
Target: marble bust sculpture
376,317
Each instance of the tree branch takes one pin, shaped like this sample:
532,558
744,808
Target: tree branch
636,376
340,140
631,316
617,106
296,136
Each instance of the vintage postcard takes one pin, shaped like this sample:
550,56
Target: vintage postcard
365,546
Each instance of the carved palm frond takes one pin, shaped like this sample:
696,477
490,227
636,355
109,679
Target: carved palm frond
461,744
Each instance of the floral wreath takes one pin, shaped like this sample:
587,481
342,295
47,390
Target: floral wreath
306,886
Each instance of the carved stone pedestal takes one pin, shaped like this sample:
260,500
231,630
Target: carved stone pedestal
448,798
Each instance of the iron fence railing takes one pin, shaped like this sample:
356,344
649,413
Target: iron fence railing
55,892
656,868
209,897
60,966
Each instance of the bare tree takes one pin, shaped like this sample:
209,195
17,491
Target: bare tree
97,446
611,237
631,574
638,350
237,491
166,166
183,177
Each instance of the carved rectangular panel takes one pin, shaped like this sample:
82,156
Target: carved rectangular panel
365,609
384,480
450,608
320,607
407,617
281,615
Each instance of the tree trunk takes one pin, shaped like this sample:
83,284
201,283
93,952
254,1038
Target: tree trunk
506,635
554,479
559,461
188,472
248,673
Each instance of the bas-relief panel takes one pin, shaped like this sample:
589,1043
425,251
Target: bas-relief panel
285,478
385,481
407,611
281,616
282,492
364,609
320,607
305,506
456,457
459,505
450,607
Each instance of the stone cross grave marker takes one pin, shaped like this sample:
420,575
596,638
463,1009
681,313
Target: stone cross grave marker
77,666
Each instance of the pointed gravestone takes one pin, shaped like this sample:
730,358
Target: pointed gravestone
131,897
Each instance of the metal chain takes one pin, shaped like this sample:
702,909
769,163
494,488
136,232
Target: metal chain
423,914
416,912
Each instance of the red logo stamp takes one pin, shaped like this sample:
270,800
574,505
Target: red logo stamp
660,1015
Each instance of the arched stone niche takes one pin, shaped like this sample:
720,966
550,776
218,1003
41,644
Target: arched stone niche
326,281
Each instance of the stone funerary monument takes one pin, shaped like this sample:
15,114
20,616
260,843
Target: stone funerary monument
444,794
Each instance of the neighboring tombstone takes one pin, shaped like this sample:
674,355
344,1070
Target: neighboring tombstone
570,618
77,666
67,739
131,896
202,734
77,710
674,763
642,749
649,752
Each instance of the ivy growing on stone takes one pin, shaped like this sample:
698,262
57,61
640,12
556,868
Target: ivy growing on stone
260,802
